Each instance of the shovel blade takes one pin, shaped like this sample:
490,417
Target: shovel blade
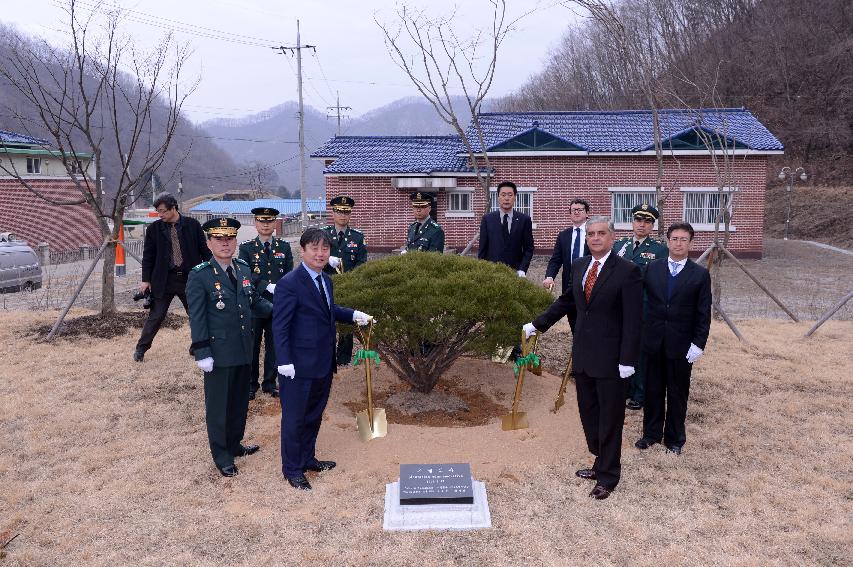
558,403
512,421
368,429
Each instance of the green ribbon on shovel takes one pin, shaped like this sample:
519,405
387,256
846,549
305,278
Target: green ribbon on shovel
361,355
531,358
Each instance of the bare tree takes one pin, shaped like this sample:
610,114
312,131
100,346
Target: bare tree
97,95
438,62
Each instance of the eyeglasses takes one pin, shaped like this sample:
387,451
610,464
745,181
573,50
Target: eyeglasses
162,211
679,239
574,210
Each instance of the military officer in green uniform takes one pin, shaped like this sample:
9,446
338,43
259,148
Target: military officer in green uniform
424,234
641,249
349,251
269,258
221,302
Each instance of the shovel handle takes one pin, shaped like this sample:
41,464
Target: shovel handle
563,384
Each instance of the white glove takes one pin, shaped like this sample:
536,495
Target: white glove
334,261
287,370
403,251
360,318
529,330
271,287
521,273
547,282
693,353
626,371
205,364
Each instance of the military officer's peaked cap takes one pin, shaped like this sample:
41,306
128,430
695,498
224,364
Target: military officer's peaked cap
645,211
342,204
221,226
419,199
265,213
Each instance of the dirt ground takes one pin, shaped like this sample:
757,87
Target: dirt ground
817,213
105,462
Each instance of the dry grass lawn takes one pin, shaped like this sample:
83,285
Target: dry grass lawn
105,462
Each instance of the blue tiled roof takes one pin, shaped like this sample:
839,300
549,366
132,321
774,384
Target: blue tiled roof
285,206
7,137
394,154
626,130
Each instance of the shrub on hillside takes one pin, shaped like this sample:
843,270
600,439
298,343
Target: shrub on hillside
433,308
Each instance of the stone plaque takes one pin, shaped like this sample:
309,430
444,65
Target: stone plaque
436,484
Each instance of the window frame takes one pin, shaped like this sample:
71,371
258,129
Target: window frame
623,190
461,213
708,227
527,192
34,166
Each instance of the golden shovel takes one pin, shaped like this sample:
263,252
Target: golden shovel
560,401
518,419
372,422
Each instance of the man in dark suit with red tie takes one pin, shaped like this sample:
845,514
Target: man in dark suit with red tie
303,319
678,320
506,235
604,306
570,245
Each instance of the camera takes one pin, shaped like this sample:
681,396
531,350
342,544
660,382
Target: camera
146,298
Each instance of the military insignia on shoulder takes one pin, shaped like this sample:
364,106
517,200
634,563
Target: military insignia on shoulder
241,261
247,241
355,230
201,266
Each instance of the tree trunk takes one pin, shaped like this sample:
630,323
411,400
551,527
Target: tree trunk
108,292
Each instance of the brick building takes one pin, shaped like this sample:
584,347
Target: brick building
31,218
607,158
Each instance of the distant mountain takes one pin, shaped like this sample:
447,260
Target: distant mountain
269,137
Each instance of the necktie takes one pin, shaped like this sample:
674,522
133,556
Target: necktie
231,277
340,239
319,280
590,280
177,257
506,226
267,247
674,268
417,227
576,247
636,245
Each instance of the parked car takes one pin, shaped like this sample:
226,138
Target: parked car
19,267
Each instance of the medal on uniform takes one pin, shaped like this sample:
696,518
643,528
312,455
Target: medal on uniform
257,270
219,304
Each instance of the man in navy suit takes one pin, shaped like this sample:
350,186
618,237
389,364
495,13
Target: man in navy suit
604,303
303,320
678,319
506,235
570,245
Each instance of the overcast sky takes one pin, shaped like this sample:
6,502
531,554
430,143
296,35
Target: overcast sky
240,75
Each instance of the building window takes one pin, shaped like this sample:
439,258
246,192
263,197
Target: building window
523,200
33,165
460,204
701,206
623,200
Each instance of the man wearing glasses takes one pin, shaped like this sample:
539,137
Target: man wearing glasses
269,258
424,234
570,245
678,319
173,245
641,249
222,303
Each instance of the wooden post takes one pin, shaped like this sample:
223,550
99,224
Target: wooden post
704,255
759,284
729,322
829,314
78,290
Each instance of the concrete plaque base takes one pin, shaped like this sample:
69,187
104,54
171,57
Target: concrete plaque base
436,516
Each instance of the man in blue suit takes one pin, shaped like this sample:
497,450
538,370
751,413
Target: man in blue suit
506,235
303,321
570,245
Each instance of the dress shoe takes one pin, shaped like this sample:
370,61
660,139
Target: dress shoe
272,392
674,449
633,405
586,474
138,355
600,492
321,466
299,482
230,470
645,443
246,450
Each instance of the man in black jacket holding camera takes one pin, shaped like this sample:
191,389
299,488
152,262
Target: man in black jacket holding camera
173,245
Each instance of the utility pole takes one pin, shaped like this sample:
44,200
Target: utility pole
338,109
298,49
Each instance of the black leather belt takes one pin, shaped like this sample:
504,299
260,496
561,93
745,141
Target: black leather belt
178,272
